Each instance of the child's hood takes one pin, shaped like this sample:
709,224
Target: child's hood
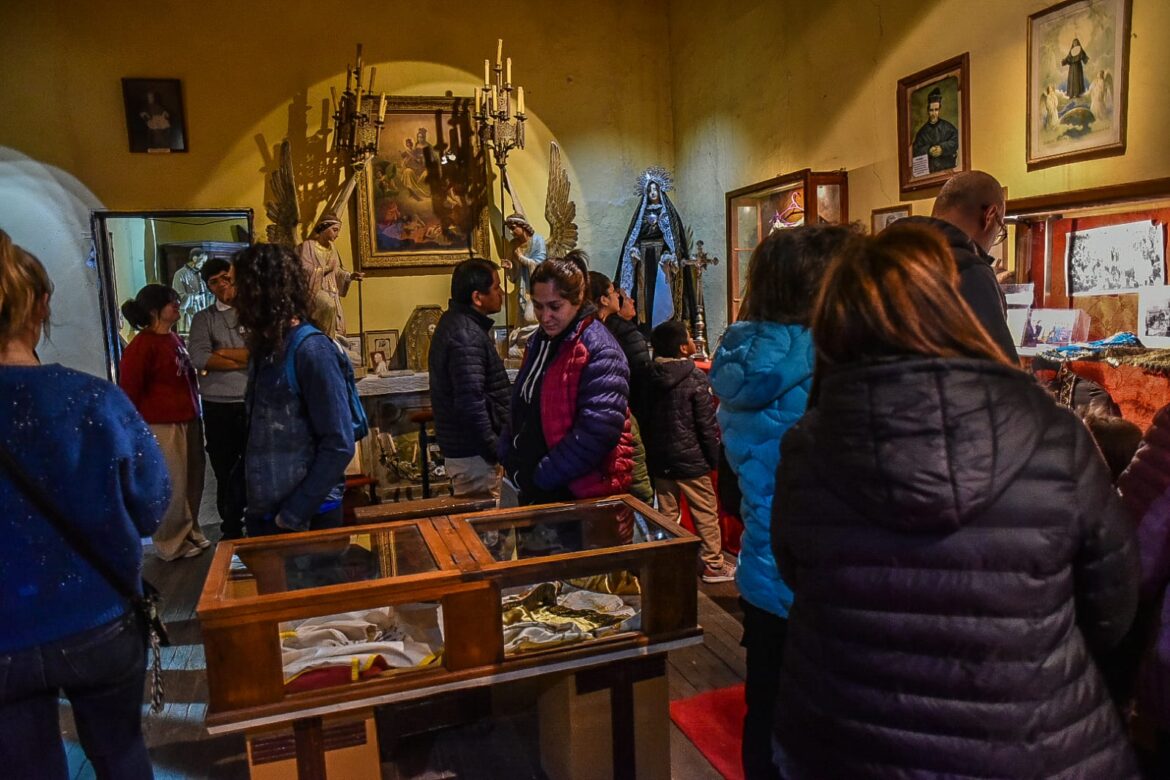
670,373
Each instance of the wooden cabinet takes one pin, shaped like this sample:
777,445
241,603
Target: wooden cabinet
805,197
453,599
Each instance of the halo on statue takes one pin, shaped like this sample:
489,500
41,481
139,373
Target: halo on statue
655,174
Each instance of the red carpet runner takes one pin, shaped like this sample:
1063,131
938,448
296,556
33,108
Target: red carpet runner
714,722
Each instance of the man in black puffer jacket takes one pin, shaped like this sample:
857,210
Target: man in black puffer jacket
969,212
469,386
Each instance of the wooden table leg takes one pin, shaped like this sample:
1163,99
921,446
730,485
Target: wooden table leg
310,740
620,678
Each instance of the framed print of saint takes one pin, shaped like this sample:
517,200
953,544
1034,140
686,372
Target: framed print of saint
1078,76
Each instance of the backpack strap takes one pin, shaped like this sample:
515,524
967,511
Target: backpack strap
299,334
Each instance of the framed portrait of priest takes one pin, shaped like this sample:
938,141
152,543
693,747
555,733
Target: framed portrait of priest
422,199
934,125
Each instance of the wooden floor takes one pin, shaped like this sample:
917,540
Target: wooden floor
499,746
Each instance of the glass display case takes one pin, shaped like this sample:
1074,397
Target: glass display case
308,620
794,199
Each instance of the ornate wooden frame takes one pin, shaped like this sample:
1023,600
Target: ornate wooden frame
959,66
449,120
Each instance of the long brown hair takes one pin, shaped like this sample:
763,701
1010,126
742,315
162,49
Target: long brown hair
896,293
786,270
23,284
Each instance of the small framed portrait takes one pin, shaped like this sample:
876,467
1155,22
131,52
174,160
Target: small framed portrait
383,343
155,121
500,337
934,125
880,219
1154,316
355,349
1078,76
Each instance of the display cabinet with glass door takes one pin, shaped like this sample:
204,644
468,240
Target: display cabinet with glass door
805,197
332,618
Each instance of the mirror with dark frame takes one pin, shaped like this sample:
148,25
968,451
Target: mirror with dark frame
137,248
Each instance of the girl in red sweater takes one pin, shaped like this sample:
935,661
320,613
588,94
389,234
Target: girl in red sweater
158,376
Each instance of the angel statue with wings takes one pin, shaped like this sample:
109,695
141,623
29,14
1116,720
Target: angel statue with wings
328,279
529,248
656,247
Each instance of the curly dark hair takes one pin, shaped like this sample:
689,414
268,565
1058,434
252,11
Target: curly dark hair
271,289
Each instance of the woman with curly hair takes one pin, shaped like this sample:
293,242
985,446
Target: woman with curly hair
299,439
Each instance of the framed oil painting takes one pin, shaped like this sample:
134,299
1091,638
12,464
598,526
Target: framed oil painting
154,115
934,125
880,219
1078,76
422,201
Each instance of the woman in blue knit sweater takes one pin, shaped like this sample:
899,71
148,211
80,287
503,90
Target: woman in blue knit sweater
762,374
66,629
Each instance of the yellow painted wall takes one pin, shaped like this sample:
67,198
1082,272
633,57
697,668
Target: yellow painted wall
765,88
595,74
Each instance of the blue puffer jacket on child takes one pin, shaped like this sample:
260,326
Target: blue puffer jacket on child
762,374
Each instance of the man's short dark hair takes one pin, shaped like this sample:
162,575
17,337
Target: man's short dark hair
470,276
215,265
599,285
669,338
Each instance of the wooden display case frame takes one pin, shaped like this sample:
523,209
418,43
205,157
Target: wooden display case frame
467,582
806,179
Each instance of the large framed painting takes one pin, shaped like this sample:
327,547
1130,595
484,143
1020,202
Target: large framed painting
422,200
934,124
1078,75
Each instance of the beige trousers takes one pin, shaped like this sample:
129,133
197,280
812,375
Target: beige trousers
182,447
700,495
473,476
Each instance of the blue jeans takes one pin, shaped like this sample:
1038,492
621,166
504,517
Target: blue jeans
102,672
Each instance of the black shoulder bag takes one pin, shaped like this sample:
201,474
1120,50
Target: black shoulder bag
148,605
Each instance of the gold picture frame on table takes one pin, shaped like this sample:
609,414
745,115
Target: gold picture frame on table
423,199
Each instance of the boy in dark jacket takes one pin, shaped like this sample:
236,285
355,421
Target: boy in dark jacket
683,441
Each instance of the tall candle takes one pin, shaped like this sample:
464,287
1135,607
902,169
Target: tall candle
508,77
520,100
499,51
495,99
487,76
370,86
382,109
333,95
348,76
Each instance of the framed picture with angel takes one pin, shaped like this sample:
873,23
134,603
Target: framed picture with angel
422,200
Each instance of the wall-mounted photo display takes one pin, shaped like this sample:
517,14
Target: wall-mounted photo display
381,346
1078,75
154,115
880,219
934,126
1116,258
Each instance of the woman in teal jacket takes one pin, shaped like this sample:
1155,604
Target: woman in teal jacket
762,375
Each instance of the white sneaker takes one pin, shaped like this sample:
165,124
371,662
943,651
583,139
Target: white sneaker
725,573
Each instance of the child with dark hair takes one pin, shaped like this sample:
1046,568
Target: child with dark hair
683,441
1116,437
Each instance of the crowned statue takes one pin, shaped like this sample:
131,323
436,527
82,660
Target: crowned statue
655,251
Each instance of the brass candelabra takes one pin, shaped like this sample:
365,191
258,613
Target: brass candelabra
356,127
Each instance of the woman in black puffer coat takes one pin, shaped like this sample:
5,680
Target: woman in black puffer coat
957,553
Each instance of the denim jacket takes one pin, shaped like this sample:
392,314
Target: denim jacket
298,447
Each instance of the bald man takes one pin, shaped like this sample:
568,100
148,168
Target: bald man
969,212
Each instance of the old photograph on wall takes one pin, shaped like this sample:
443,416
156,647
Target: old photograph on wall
1154,316
1116,258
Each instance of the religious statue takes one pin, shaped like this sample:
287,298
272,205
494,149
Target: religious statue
193,293
328,280
654,249
529,248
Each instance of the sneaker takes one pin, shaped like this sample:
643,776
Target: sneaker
725,573
202,543
190,551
